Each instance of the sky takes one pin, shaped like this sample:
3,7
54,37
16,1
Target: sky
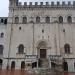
4,5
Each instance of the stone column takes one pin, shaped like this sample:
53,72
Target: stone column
37,63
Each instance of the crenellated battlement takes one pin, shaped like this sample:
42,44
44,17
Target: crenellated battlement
48,4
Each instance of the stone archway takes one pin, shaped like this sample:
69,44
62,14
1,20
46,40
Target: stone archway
22,65
42,54
42,49
13,65
65,66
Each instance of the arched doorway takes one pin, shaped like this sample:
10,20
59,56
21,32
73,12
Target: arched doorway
42,49
22,65
34,64
52,65
13,65
42,54
65,66
1,61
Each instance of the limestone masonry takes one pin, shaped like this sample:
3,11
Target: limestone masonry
38,36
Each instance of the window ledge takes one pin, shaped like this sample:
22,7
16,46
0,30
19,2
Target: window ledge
68,53
20,53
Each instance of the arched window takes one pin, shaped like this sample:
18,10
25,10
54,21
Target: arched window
67,48
21,49
24,20
22,65
69,19
1,61
1,49
37,19
47,19
13,65
5,21
2,35
16,20
60,19
1,20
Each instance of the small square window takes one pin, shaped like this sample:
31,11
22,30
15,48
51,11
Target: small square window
19,28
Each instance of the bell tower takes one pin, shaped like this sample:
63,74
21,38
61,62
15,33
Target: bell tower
13,3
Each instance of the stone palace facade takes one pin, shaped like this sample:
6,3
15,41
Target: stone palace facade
38,36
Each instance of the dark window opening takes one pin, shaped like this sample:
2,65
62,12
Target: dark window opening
69,19
21,49
34,64
42,30
2,35
1,20
52,65
74,65
37,19
65,66
13,65
1,49
1,61
67,48
16,20
28,64
22,65
5,21
47,19
60,19
24,20
19,28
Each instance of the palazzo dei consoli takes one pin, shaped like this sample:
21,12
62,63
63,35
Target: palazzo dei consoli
38,36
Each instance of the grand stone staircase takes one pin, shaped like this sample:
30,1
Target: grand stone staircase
45,69
44,63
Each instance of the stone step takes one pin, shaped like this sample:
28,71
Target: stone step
45,71
44,63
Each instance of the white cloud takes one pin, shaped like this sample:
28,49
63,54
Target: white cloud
4,7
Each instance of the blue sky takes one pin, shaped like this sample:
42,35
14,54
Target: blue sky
4,4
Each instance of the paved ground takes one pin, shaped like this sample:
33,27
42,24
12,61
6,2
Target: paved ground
22,72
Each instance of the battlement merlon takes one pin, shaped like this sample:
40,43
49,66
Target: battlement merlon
16,3
13,2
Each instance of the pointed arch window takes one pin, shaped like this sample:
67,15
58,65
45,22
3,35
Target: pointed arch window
67,48
16,20
21,49
38,19
24,20
69,19
60,19
47,19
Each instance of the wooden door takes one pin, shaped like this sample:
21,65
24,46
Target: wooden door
42,53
